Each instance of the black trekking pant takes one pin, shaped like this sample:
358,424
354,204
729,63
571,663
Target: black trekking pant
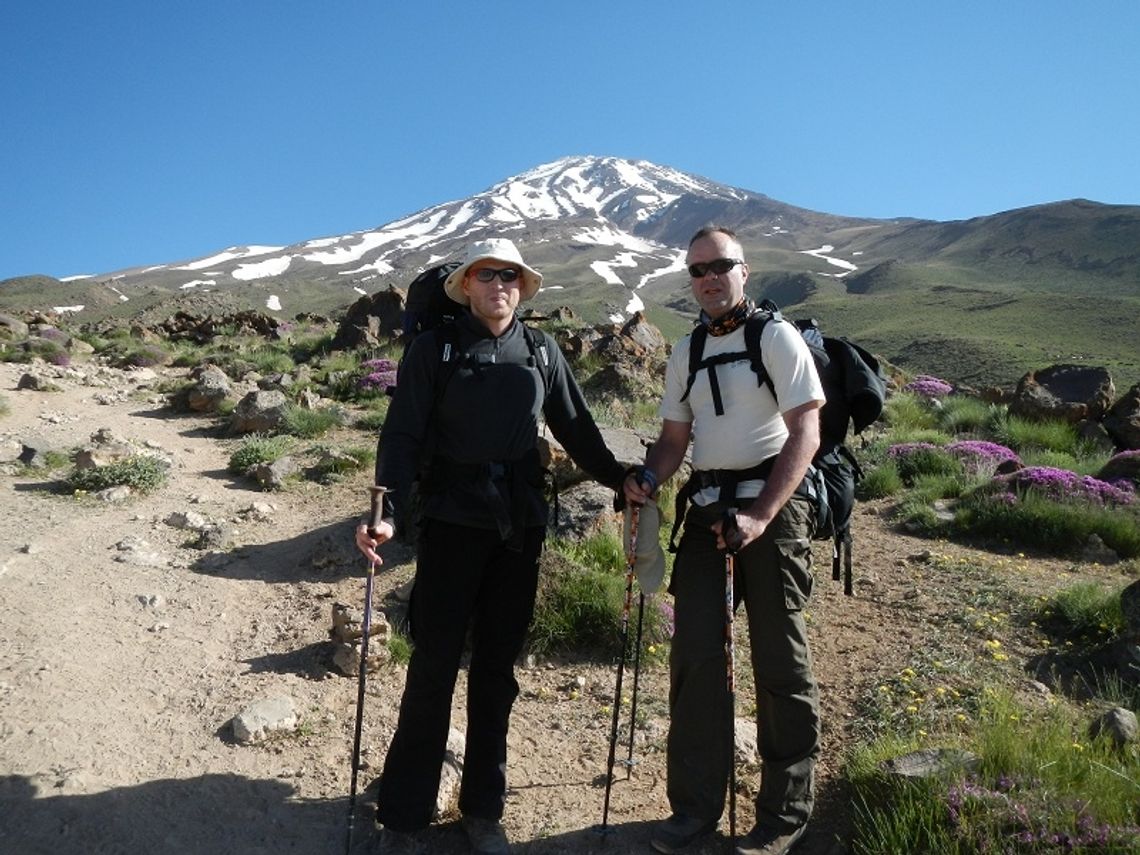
464,577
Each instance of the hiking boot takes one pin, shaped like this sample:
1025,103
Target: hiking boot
766,841
390,842
486,836
678,831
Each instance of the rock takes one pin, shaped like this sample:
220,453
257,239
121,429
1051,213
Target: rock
259,511
259,412
347,633
745,741
211,387
1063,392
1118,725
188,520
265,717
1122,467
1096,552
10,450
217,537
582,510
371,321
136,551
451,773
35,383
1122,421
12,328
272,476
931,763
117,493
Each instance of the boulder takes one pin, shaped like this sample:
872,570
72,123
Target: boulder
1122,467
1118,725
211,387
372,321
1064,392
12,328
1122,421
259,412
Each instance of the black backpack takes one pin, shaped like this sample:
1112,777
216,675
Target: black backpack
428,308
855,388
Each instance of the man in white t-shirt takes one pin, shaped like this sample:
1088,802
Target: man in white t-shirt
751,450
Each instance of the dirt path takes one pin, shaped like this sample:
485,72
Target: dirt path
118,680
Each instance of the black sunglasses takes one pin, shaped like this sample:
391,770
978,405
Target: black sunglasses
719,266
486,274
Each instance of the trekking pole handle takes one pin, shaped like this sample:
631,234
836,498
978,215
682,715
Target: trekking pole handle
730,531
376,512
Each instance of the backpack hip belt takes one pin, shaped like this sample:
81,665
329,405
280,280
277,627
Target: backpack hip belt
518,476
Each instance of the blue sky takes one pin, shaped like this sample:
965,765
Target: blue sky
135,132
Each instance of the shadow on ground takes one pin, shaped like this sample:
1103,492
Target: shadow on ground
210,813
323,554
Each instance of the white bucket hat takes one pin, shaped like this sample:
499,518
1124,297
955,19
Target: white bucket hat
496,249
649,564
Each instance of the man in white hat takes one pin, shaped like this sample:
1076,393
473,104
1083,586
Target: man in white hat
473,413
751,447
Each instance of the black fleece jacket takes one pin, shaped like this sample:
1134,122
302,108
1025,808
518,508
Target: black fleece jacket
487,412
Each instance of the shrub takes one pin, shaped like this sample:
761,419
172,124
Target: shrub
309,424
880,482
914,459
979,457
1035,520
339,462
144,356
962,414
38,348
1042,786
1063,484
906,411
372,419
581,599
399,648
141,472
256,449
1084,609
926,386
1022,434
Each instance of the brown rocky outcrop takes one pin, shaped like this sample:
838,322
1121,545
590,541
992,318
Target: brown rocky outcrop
372,321
1122,421
1063,392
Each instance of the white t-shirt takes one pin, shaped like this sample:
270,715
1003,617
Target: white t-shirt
751,429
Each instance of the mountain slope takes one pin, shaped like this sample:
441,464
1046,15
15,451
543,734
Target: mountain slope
610,236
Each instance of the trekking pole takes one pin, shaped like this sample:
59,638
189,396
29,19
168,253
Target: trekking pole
631,559
636,674
727,528
376,512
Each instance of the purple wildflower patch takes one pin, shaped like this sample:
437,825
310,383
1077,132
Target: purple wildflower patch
377,375
1063,484
905,449
981,457
928,387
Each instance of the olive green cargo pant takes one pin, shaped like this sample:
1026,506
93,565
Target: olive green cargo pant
773,579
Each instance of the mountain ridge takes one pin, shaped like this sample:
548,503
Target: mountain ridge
610,235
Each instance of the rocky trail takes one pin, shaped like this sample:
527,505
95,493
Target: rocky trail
126,650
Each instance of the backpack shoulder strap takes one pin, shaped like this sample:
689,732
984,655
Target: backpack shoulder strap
540,357
753,328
